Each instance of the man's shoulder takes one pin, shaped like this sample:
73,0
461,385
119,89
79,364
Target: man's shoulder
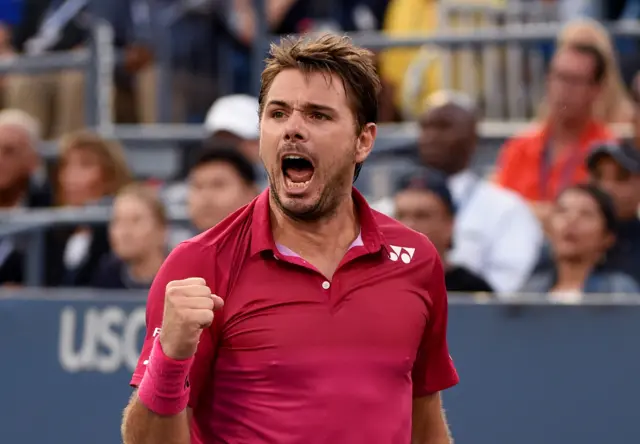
405,244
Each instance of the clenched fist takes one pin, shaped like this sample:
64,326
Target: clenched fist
188,309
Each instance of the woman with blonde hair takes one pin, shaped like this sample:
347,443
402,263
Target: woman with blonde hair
91,170
137,232
615,104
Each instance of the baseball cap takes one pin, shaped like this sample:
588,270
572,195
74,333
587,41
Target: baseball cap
624,154
429,180
236,114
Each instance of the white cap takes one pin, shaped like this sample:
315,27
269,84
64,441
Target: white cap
236,114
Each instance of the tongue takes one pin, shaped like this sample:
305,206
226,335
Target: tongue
300,175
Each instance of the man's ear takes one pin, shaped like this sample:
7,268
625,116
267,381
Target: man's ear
365,142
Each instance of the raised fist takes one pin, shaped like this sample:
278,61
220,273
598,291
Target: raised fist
188,309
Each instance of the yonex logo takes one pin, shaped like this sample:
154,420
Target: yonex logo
405,254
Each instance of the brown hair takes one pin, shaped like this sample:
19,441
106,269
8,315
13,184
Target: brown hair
110,154
149,197
329,54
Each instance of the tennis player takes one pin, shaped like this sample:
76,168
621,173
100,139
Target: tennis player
330,318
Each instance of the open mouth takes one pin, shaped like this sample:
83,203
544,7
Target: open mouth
297,171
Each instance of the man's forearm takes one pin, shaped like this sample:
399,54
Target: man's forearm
141,426
429,422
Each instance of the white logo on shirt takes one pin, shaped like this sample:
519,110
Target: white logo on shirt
403,253
156,332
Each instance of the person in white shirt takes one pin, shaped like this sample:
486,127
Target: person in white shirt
495,234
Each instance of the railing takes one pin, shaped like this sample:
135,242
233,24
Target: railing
100,60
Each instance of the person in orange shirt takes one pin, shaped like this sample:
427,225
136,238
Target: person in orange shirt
540,163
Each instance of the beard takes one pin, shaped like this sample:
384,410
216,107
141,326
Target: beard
334,188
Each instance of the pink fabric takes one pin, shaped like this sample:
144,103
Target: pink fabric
164,389
287,252
293,358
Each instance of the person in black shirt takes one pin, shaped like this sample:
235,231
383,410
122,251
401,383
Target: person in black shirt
424,203
616,169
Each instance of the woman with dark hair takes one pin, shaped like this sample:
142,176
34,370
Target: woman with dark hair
581,231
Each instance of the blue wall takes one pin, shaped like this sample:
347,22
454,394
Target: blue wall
530,375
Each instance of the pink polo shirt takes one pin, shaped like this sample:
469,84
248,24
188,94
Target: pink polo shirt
303,359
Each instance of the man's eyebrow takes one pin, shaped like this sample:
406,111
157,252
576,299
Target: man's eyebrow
307,106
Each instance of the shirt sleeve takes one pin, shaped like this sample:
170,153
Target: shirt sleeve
184,261
433,370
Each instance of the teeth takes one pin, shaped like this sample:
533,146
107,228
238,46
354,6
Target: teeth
291,157
292,184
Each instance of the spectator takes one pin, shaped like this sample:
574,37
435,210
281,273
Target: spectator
582,230
424,204
220,181
495,234
137,234
616,169
539,164
614,104
57,98
19,161
91,171
234,119
19,137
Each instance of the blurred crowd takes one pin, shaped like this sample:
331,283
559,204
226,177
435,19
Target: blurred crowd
559,213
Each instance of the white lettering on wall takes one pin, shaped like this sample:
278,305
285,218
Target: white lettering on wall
100,339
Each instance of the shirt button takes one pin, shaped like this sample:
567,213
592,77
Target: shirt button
326,285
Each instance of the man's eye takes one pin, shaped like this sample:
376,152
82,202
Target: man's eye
277,114
319,116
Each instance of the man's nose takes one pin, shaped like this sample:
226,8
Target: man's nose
295,129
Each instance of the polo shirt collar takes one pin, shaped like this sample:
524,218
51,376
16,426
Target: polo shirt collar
262,236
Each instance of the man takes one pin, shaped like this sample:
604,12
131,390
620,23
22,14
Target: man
541,163
334,315
616,169
234,119
56,98
424,203
19,162
220,181
495,234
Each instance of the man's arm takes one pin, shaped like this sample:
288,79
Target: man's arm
141,426
429,422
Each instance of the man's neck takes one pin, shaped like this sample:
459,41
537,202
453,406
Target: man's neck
567,132
12,196
573,274
324,240
145,268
